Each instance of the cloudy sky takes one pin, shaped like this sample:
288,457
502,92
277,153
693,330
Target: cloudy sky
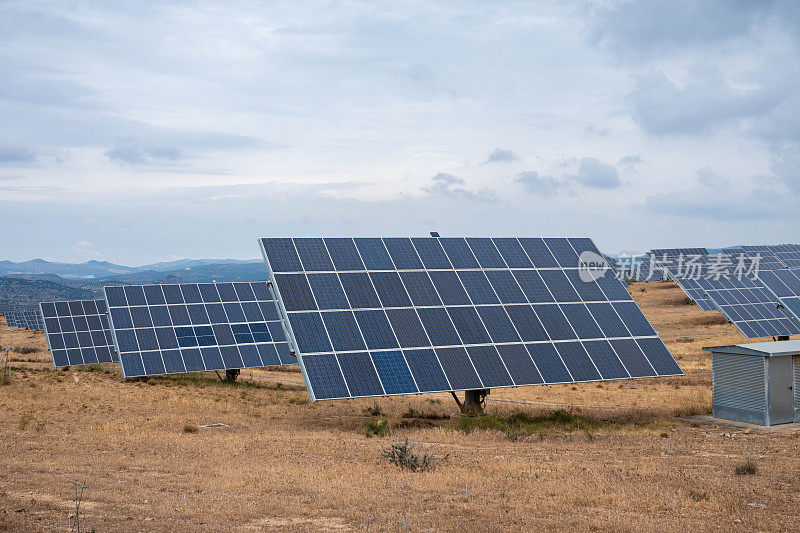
137,132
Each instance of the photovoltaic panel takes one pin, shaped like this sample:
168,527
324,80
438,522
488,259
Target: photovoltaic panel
401,316
749,306
164,329
785,285
694,291
25,317
78,332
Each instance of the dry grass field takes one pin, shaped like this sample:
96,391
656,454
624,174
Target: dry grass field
615,459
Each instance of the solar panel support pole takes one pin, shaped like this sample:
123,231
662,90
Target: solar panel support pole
474,401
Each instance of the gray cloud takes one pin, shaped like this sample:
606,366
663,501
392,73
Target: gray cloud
132,152
10,154
544,186
450,186
707,177
632,160
636,30
596,174
501,156
706,203
704,103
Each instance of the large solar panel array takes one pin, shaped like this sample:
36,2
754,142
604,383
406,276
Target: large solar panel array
24,316
785,285
78,332
162,329
749,306
375,317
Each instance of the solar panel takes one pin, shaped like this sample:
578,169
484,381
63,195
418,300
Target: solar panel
785,285
163,329
749,306
78,332
694,291
24,316
385,316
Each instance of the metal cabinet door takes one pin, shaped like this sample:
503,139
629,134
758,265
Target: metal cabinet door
781,397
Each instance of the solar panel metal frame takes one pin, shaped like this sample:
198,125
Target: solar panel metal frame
400,351
197,357
68,317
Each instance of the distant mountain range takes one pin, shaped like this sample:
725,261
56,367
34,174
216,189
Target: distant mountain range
96,271
31,282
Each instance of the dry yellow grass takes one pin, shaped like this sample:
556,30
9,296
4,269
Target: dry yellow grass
283,463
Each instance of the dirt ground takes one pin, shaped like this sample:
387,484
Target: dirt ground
618,459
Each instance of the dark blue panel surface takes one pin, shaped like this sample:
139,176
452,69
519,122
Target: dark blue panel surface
528,325
512,252
360,375
459,253
374,254
420,288
468,324
490,367
431,253
313,255
478,288
390,289
403,253
577,361
632,357
519,364
439,327
325,377
309,332
344,254
359,290
549,363
498,324
426,370
408,328
506,286
605,359
458,368
376,329
343,331
394,373
449,287
281,255
328,291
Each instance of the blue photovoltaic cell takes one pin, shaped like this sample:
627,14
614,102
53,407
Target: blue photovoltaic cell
426,369
394,372
360,375
83,324
487,362
456,314
519,364
458,368
163,329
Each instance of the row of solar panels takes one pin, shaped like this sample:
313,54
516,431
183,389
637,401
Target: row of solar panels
22,316
375,317
754,295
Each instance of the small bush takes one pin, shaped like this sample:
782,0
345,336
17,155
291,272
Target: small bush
25,420
409,455
190,428
26,349
375,410
698,496
377,428
748,468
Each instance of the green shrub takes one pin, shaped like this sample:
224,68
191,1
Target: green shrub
409,455
377,428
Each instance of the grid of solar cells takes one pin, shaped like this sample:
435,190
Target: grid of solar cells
768,259
785,285
14,317
77,332
24,316
375,317
164,329
694,291
749,306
